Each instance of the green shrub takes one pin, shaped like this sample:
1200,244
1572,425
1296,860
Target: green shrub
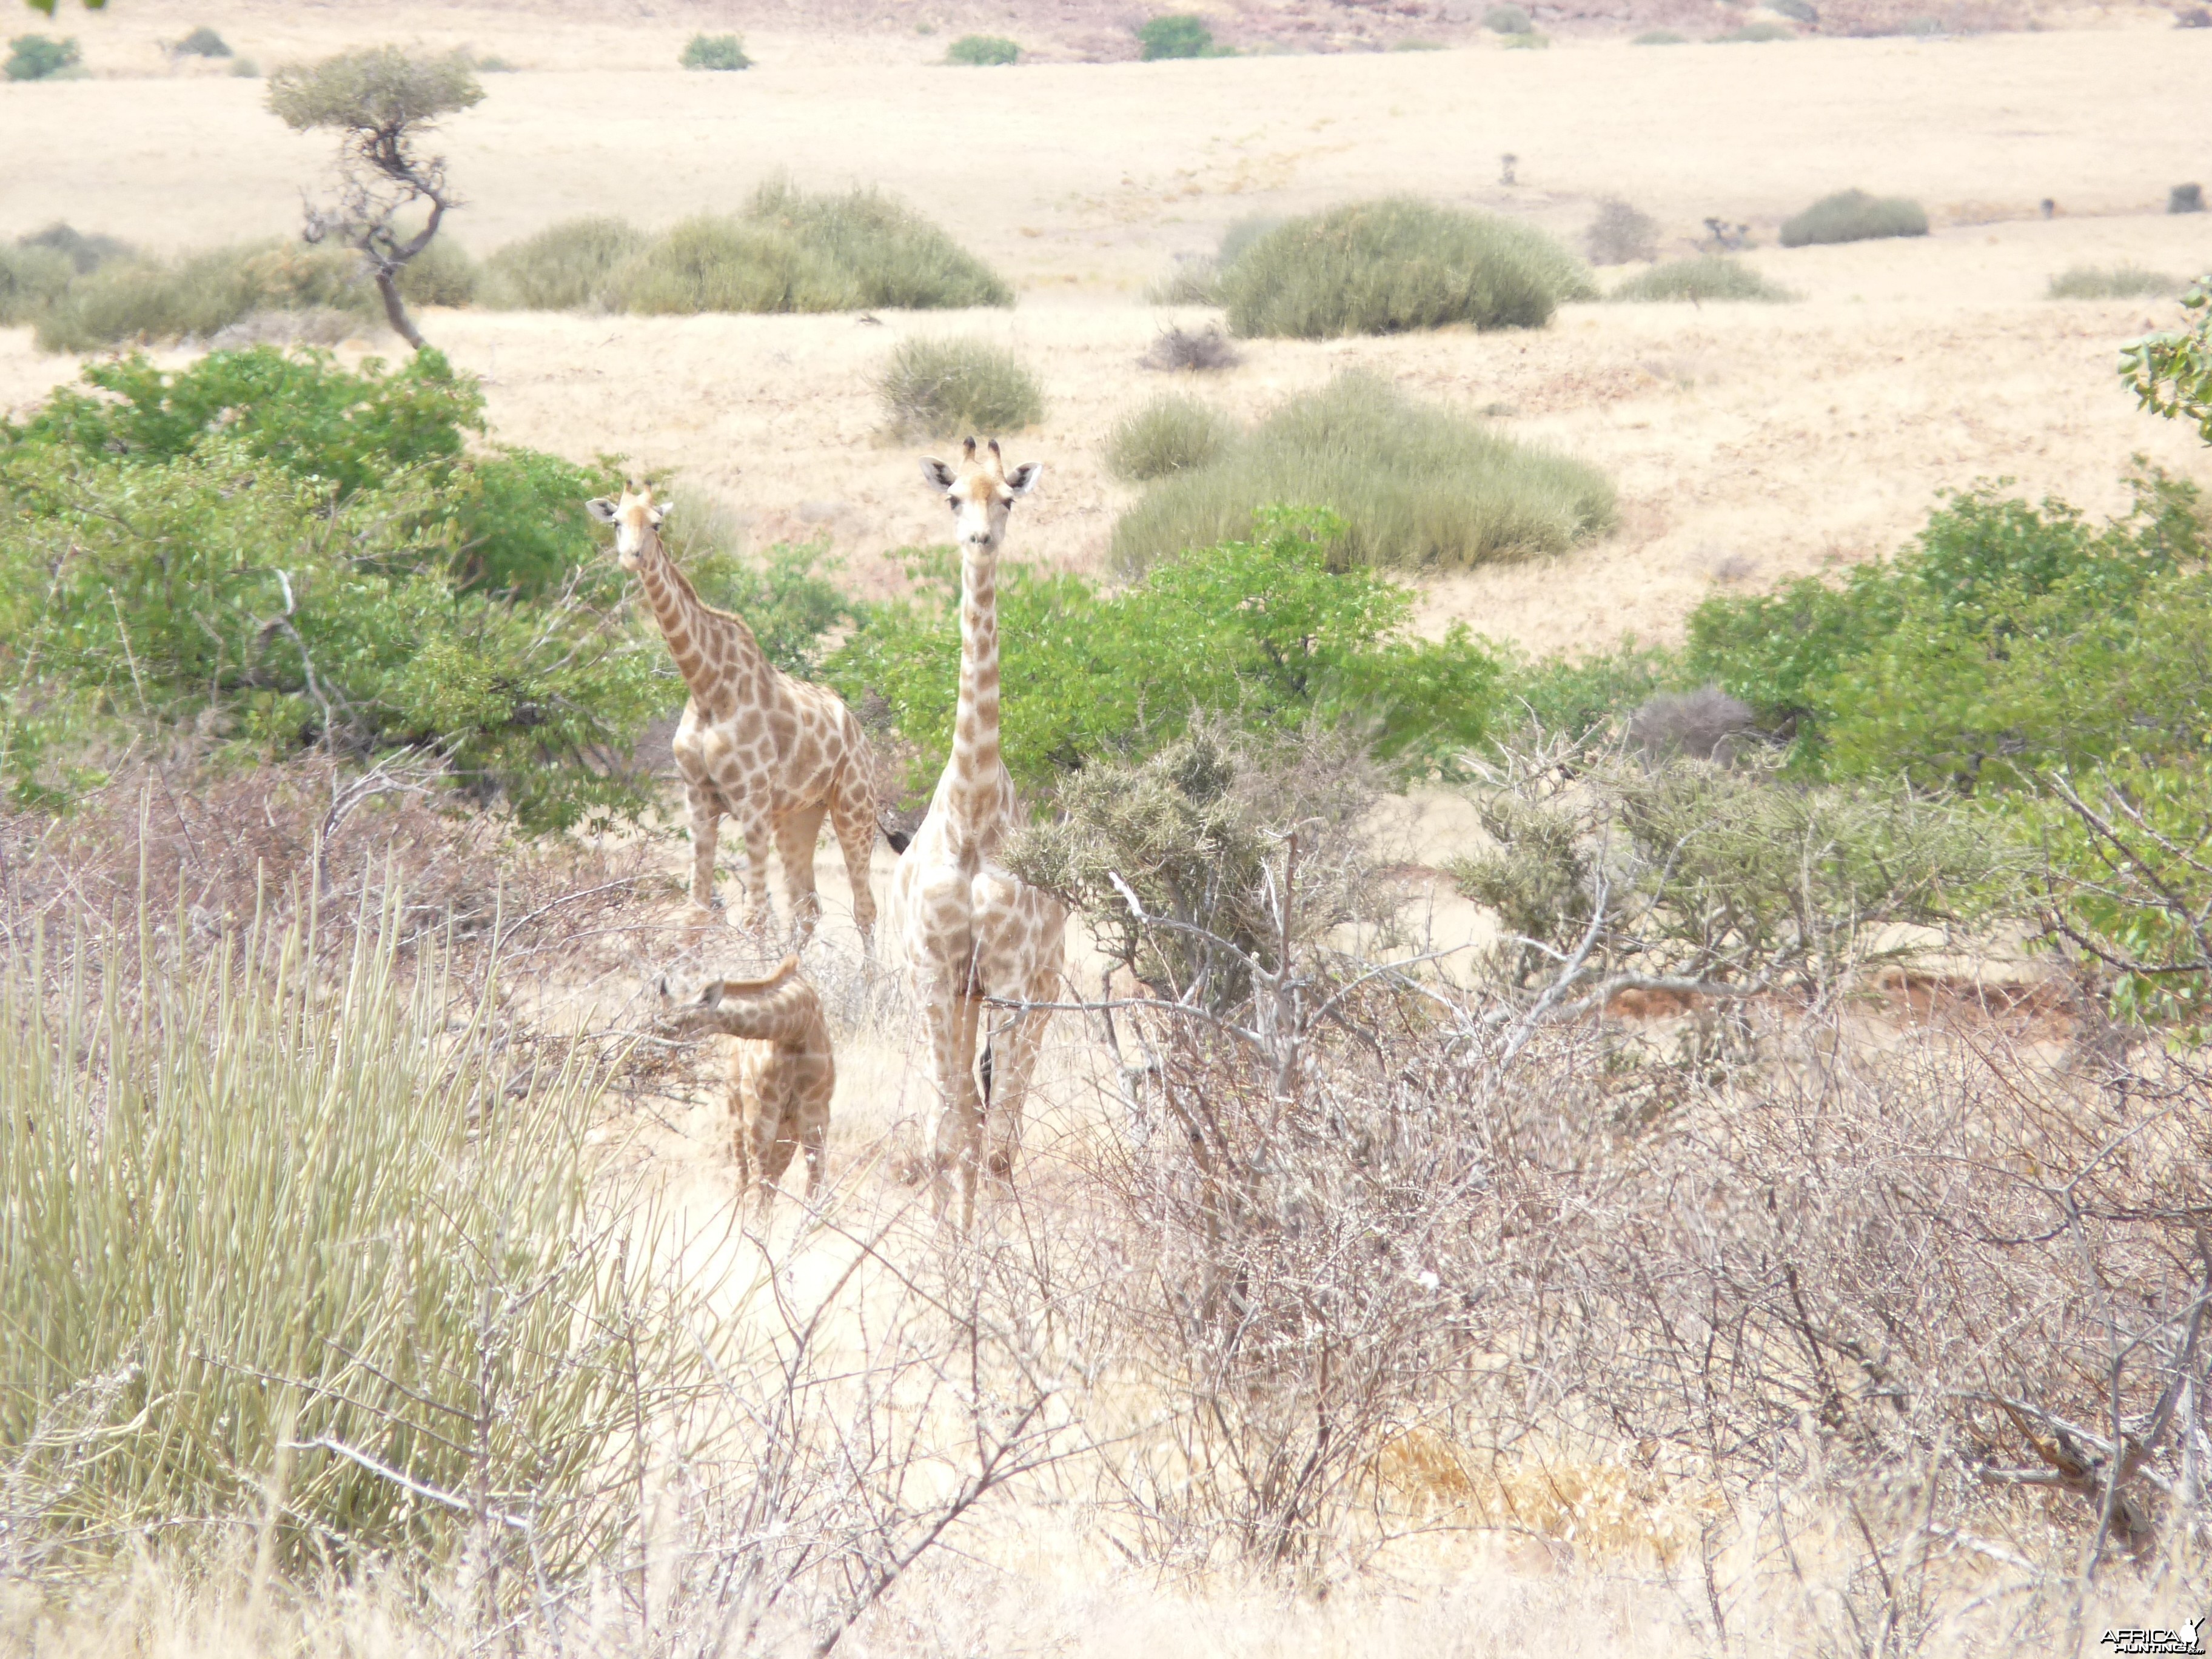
1178,36
727,264
168,516
31,279
891,254
1852,216
716,52
1754,33
442,274
2170,371
204,293
202,42
1660,38
37,57
1260,630
1708,277
565,267
955,388
1409,484
1168,435
1507,20
1388,267
85,254
1581,697
981,50
2114,283
307,1195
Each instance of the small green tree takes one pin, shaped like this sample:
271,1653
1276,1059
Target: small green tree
2171,372
716,52
381,101
35,58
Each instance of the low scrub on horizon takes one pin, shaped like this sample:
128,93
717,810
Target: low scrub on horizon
1388,266
2126,282
1708,277
1413,485
1853,215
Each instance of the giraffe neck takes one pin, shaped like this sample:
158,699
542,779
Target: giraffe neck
711,648
782,1014
976,766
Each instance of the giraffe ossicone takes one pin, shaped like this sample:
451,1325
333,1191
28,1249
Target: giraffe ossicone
773,753
975,942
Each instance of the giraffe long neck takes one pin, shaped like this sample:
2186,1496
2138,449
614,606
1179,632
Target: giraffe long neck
710,647
976,765
784,1013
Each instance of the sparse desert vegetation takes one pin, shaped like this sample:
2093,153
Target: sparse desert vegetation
983,51
1689,1146
1853,215
1709,276
716,52
2114,283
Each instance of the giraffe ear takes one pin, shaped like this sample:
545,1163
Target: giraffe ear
601,509
1023,479
655,514
712,996
936,472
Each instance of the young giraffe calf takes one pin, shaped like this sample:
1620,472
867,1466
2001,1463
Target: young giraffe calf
782,1070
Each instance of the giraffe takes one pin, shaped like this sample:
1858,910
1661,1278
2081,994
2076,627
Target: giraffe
782,1069
966,930
773,752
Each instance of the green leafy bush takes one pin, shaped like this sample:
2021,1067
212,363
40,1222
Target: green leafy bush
2114,283
1178,36
2170,371
565,267
1852,216
203,292
1168,435
1580,697
891,254
982,50
39,58
279,551
31,279
202,42
1506,20
716,52
1387,266
1260,631
956,388
1410,483
715,263
1708,277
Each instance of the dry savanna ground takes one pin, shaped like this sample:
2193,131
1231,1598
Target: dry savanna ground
1749,443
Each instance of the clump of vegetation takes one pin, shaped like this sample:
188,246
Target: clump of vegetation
1708,277
1755,33
40,58
1529,42
284,555
1197,349
202,42
953,388
84,253
1179,35
1408,484
2114,283
1195,280
381,102
1507,20
716,52
245,69
2185,199
1853,215
891,254
199,295
31,280
1267,628
983,51
1621,232
723,262
1797,11
564,267
1660,38
1168,436
1388,267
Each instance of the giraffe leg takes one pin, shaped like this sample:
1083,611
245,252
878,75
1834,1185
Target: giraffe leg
704,804
776,1159
795,846
1014,1050
954,1016
752,818
853,816
814,1140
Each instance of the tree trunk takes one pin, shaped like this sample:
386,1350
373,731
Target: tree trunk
395,309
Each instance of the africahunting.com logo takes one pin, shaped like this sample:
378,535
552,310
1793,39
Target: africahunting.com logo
2189,1639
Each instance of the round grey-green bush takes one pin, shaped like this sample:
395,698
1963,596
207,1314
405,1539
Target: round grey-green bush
958,388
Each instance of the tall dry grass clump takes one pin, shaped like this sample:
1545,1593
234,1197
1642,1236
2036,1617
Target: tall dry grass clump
1169,435
958,388
1388,267
564,267
723,262
2124,282
1709,276
1416,485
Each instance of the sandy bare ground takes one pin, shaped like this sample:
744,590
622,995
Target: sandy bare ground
1749,442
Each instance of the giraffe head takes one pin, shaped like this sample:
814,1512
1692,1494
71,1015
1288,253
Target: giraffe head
634,517
691,1012
981,493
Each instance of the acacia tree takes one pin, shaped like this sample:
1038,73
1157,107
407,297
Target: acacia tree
381,101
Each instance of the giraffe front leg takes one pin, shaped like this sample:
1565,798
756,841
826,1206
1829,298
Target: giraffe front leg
753,820
705,807
795,845
960,1125
853,816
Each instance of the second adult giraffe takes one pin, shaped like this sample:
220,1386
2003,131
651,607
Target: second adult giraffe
969,933
773,752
